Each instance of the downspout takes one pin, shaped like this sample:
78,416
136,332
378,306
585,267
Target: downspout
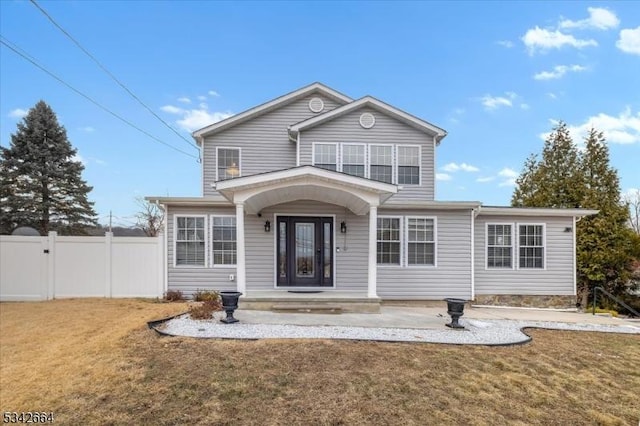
474,214
165,254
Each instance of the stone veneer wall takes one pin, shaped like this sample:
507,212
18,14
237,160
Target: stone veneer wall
525,301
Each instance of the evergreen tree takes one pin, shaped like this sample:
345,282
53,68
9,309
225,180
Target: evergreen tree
566,178
41,184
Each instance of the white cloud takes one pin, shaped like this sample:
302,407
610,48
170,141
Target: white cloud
540,39
509,176
524,106
18,113
552,95
443,176
202,98
197,119
453,167
623,129
485,179
495,102
184,100
599,19
87,129
172,109
203,105
505,43
78,157
629,41
194,119
558,71
213,93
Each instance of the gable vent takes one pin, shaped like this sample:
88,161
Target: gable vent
316,105
367,120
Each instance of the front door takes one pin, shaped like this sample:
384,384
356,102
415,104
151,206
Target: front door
305,251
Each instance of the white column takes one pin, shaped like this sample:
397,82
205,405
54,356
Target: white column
373,261
240,259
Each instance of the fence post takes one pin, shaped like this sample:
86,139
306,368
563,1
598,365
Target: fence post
51,264
108,240
162,246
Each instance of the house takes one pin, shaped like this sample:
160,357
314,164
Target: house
318,192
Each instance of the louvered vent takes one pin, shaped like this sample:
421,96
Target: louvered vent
367,120
316,105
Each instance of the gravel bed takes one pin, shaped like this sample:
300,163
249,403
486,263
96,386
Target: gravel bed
485,332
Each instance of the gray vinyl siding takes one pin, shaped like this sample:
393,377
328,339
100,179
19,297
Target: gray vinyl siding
451,277
264,141
556,279
387,130
190,279
351,267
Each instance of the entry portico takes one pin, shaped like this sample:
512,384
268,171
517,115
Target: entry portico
252,194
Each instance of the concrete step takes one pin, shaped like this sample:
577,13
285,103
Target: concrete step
308,308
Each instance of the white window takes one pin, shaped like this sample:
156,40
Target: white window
421,241
381,163
325,156
531,246
190,240
389,242
223,240
499,246
408,165
228,163
353,159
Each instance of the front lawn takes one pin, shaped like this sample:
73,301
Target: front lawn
94,362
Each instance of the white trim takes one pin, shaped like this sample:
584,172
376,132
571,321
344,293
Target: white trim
239,160
473,254
165,255
269,106
275,231
175,241
212,264
420,168
373,118
575,264
544,245
372,276
532,211
486,247
298,150
318,109
393,163
202,169
241,275
375,104
401,234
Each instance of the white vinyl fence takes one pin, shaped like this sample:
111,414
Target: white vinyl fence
41,268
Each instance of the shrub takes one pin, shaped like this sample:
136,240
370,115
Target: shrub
205,295
210,302
173,295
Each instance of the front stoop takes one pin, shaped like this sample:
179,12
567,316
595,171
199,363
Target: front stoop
321,303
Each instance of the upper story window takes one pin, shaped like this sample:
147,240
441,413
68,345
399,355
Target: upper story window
381,163
190,240
325,156
228,163
499,246
353,159
531,246
408,165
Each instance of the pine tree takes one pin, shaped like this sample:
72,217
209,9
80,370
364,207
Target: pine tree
41,184
566,178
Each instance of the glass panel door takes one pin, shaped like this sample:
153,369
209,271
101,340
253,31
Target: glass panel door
305,250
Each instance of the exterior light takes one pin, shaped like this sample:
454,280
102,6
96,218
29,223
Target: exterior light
267,226
343,227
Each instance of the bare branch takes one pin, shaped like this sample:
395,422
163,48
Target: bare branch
150,218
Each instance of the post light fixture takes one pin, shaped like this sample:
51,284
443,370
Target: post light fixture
267,226
343,227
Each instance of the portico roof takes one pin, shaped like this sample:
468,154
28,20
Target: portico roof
259,191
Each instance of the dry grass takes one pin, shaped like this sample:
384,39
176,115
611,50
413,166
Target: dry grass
93,362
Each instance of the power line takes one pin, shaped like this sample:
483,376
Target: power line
26,56
110,74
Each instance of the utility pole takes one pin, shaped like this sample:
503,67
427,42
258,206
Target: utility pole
110,218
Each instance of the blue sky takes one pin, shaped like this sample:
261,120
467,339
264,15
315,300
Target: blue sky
495,75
